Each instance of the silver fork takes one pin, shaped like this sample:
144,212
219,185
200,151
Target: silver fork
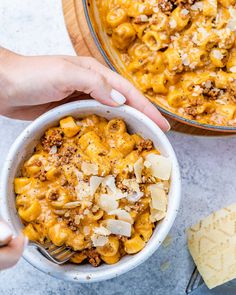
194,282
58,255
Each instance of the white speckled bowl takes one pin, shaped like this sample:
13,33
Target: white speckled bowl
23,147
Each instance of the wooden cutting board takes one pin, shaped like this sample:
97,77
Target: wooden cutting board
84,44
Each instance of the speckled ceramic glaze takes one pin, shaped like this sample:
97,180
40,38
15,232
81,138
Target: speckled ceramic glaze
23,147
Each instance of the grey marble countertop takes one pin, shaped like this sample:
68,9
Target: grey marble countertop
207,166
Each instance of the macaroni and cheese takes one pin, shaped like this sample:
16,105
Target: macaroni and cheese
92,186
180,53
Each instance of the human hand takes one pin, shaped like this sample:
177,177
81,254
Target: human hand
32,85
10,248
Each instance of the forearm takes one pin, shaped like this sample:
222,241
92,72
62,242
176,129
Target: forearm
6,62
3,79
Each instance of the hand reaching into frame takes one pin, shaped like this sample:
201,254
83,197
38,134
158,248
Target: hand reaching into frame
10,248
32,85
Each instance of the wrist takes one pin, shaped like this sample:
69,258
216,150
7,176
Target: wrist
7,64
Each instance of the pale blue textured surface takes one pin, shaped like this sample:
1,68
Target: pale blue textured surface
207,166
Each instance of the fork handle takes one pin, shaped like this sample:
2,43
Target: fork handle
194,282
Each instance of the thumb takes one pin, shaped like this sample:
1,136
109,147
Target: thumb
10,254
5,233
93,83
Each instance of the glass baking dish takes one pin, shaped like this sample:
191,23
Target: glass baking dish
113,61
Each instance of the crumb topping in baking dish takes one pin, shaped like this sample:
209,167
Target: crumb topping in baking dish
180,53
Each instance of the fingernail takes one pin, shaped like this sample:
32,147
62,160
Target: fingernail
117,97
168,125
5,233
26,242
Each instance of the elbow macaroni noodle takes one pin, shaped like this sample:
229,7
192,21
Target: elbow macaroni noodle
180,53
92,186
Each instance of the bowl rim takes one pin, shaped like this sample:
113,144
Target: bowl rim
223,129
115,270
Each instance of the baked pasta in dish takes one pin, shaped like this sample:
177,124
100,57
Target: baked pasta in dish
180,53
92,186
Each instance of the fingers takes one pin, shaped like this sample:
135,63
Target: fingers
32,112
10,254
93,83
133,97
5,234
